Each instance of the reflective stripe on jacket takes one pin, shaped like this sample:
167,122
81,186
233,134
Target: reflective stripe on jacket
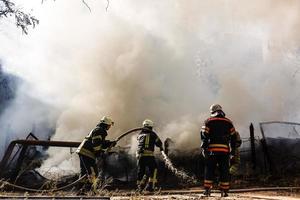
94,143
147,140
218,148
218,135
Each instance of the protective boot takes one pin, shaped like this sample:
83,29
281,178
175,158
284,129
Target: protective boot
94,184
149,187
206,192
141,185
139,188
224,193
82,187
81,192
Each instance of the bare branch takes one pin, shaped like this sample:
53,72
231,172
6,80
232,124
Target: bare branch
23,20
107,5
87,5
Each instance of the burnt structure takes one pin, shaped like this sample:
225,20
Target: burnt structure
269,155
22,157
281,147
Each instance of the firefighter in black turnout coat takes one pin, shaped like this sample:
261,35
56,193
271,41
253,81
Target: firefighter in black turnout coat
147,140
92,147
218,137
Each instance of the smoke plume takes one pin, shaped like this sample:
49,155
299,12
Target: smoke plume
163,60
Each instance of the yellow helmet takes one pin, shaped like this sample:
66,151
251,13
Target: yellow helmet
107,121
148,123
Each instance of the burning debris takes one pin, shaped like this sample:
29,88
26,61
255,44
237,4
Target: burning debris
163,60
23,157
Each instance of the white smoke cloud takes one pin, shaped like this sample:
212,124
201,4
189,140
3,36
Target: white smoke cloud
163,60
26,114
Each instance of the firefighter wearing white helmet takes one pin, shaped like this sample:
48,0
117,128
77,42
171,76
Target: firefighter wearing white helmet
216,109
106,120
218,137
92,147
148,123
147,140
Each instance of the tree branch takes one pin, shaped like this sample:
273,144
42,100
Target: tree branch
87,5
23,20
107,5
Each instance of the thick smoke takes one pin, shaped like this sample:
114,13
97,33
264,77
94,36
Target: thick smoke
163,60
20,113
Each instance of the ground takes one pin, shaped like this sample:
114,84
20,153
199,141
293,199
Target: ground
239,196
270,195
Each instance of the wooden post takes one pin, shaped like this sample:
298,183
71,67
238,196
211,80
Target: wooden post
253,153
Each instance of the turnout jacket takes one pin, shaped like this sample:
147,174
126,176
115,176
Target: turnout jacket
218,136
238,140
147,140
92,146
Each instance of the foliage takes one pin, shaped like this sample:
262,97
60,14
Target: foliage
23,20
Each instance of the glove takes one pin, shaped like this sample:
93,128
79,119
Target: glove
232,160
204,153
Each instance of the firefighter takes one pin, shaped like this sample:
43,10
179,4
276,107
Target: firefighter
91,148
236,161
218,137
147,140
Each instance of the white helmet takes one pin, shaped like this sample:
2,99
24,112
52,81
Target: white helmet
214,108
148,123
106,120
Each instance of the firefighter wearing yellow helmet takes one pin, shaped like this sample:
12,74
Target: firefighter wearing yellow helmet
218,137
92,147
147,140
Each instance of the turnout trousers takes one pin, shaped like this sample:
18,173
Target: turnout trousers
145,163
88,167
212,162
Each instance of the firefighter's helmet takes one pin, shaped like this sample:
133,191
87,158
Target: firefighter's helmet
148,123
107,120
215,109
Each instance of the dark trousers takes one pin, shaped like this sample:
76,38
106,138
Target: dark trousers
88,166
212,162
147,163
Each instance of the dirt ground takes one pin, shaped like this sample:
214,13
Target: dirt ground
241,196
274,195
233,196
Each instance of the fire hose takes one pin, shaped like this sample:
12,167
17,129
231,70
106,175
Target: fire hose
4,183
121,136
41,190
127,133
179,173
169,165
161,192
